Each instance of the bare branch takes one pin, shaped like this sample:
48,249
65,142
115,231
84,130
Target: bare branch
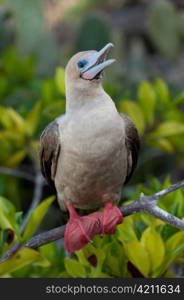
17,173
37,193
168,190
38,180
143,204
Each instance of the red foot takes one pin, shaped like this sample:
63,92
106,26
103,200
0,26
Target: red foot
111,217
81,230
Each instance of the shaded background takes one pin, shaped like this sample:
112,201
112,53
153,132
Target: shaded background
38,37
148,34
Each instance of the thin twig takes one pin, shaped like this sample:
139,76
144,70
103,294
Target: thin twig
37,193
170,189
38,181
143,204
17,173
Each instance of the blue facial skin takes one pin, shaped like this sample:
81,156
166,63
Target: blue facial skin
82,64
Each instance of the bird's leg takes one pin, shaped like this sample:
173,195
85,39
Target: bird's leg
80,230
111,217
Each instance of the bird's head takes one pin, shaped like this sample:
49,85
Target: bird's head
86,68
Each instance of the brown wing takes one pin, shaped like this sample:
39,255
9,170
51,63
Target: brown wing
49,151
132,143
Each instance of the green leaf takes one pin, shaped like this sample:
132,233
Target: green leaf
166,183
167,231
138,256
60,79
33,118
147,100
49,251
134,111
179,200
175,243
11,136
99,253
16,158
174,247
162,91
43,262
126,230
37,217
116,260
7,214
74,268
167,129
48,92
114,265
3,239
6,206
5,221
10,119
82,257
164,144
179,99
154,245
20,259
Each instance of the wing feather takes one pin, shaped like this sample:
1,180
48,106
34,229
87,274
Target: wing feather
49,151
133,145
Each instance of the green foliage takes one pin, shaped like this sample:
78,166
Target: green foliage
19,128
22,258
134,111
74,268
10,227
146,94
143,242
36,218
157,116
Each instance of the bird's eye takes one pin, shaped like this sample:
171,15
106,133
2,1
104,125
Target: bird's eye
82,63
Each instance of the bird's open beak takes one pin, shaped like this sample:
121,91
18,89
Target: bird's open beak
97,63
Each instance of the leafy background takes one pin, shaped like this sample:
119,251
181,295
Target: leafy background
36,40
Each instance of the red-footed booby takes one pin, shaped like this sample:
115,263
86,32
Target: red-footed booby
90,152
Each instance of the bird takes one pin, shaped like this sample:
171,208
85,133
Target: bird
90,152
